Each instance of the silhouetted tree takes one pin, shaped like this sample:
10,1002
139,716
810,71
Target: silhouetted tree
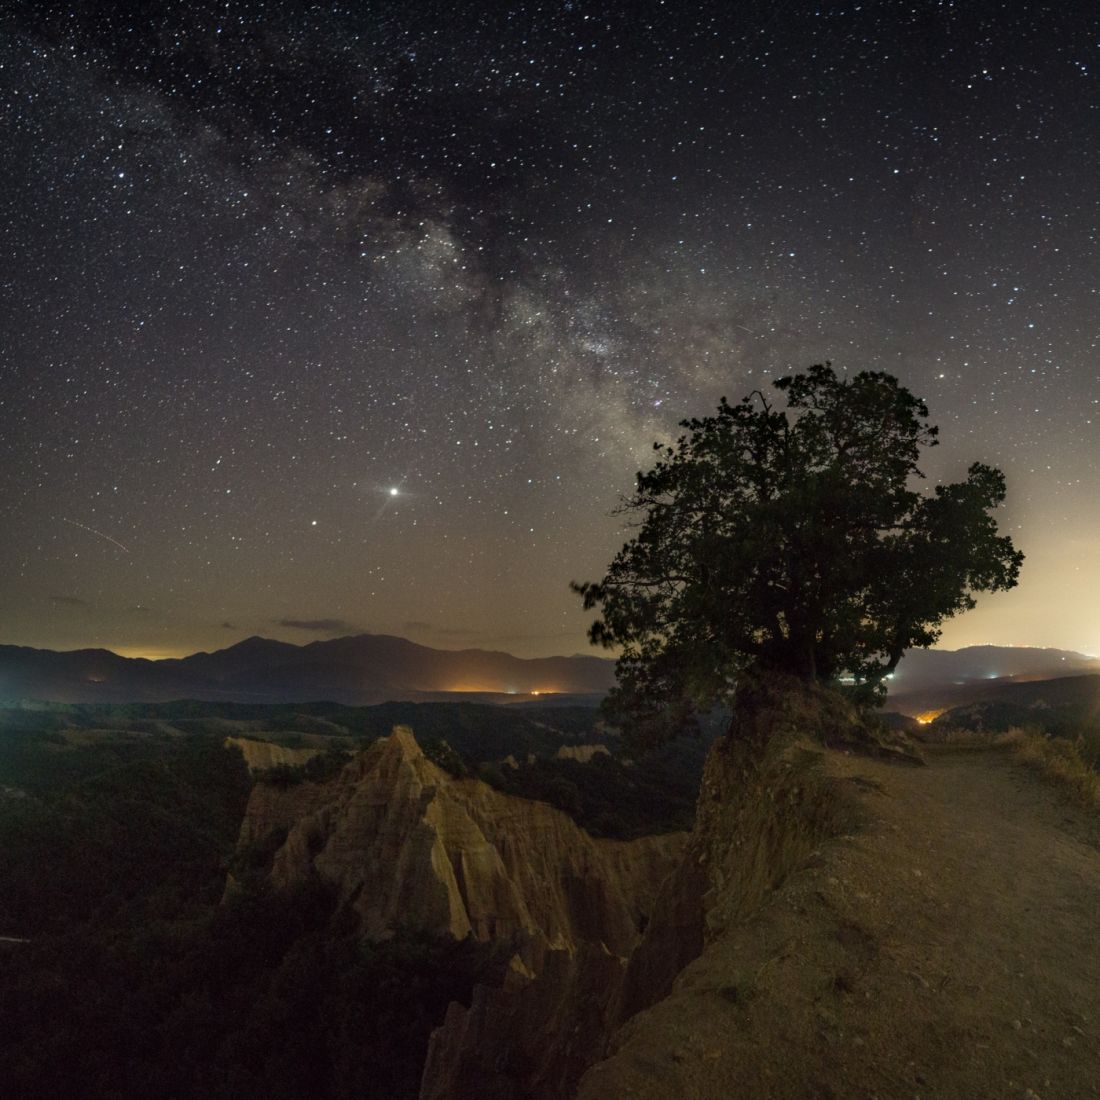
791,539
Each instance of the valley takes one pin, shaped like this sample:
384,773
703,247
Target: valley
447,900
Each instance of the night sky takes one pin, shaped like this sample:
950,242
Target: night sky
330,318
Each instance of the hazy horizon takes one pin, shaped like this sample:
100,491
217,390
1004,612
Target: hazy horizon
175,654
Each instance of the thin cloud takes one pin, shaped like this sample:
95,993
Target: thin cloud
318,626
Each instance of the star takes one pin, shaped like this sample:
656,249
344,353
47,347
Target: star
503,262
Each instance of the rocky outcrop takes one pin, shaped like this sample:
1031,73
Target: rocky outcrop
408,847
262,755
271,807
765,806
581,753
536,1034
761,811
944,947
530,1037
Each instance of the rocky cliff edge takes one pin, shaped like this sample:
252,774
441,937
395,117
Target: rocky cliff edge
410,848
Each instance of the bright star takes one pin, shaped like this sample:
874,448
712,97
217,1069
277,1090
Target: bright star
393,492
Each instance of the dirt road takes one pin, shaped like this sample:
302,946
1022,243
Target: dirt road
950,948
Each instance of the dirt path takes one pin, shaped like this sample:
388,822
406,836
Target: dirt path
951,948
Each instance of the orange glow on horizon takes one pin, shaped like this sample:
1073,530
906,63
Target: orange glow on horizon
929,716
150,654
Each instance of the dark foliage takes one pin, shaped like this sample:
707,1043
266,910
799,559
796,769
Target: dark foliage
476,731
261,998
791,540
442,755
610,798
115,829
136,982
317,769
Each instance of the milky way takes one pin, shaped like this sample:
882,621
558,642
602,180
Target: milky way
266,263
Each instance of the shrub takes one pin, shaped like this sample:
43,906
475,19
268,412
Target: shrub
1060,760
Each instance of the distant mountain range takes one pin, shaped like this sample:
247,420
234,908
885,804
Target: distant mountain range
935,679
373,668
367,668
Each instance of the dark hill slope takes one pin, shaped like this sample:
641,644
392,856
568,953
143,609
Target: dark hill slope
1065,707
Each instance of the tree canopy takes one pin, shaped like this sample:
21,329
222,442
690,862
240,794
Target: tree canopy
791,538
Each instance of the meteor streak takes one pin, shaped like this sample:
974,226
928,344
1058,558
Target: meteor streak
92,530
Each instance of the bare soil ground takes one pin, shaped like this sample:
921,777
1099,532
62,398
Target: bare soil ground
949,948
